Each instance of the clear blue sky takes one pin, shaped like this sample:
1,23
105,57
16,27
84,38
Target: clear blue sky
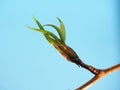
29,62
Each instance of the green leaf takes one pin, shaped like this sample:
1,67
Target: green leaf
32,28
51,37
38,23
50,40
56,28
51,34
62,30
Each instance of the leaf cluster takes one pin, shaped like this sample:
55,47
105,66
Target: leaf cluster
51,37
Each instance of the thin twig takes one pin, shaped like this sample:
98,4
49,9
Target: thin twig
90,68
96,78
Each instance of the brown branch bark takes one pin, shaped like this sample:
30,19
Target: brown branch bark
92,69
99,76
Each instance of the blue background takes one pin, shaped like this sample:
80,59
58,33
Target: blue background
29,62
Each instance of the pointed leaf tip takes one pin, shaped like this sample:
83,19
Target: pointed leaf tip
32,28
38,23
62,29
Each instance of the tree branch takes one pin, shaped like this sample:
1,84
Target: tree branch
92,69
99,76
70,54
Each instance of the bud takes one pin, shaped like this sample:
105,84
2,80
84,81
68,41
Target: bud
66,52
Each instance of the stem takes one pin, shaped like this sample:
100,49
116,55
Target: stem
92,69
101,74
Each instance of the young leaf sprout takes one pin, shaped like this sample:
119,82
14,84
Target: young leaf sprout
60,44
67,52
